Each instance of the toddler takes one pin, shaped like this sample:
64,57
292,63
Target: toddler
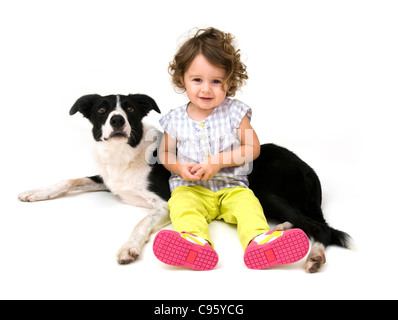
208,145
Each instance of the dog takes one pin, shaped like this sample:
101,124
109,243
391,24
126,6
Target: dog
126,155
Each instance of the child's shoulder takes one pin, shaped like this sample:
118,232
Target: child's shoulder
230,103
236,111
178,111
234,105
172,120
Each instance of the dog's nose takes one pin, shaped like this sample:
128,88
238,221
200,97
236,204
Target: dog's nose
117,122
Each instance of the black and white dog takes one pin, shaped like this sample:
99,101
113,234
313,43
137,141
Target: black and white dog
126,153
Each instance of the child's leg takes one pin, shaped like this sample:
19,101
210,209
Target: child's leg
240,206
189,245
263,248
191,211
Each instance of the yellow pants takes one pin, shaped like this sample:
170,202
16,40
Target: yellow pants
193,208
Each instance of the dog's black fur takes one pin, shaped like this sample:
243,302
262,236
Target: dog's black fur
289,190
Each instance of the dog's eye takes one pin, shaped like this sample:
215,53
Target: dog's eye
130,109
101,110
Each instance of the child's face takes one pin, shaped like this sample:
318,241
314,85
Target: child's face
203,84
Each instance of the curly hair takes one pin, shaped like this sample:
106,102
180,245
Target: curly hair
219,49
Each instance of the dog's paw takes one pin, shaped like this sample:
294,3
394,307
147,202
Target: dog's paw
283,226
47,193
35,195
127,254
316,259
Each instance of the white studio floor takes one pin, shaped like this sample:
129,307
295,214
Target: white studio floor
323,83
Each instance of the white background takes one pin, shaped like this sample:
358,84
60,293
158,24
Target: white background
323,83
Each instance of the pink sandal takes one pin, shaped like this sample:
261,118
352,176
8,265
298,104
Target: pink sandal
184,250
276,248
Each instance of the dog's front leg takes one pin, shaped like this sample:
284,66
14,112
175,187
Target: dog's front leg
63,187
156,220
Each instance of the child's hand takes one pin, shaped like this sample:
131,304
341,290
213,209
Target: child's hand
206,169
185,172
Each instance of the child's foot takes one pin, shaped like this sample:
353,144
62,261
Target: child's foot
184,250
276,248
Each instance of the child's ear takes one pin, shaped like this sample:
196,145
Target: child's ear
182,81
227,86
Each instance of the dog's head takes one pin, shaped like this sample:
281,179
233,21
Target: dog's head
116,116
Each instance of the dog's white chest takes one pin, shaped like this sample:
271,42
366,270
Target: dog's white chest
124,170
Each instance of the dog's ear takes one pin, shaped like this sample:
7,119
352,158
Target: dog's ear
84,105
144,103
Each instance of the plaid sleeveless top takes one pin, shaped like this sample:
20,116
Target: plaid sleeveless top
197,140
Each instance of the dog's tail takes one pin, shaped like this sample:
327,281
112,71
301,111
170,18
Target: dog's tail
342,239
320,231
323,233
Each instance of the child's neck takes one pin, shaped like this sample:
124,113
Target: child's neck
198,114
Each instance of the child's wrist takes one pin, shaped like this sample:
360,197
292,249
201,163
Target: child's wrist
217,160
179,168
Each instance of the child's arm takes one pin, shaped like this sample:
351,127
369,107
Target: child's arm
168,157
247,152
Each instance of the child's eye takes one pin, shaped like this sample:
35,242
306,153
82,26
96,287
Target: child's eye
197,80
216,81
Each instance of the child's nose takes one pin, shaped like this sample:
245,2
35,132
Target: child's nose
205,87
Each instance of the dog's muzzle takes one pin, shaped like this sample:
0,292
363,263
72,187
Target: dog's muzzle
118,123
